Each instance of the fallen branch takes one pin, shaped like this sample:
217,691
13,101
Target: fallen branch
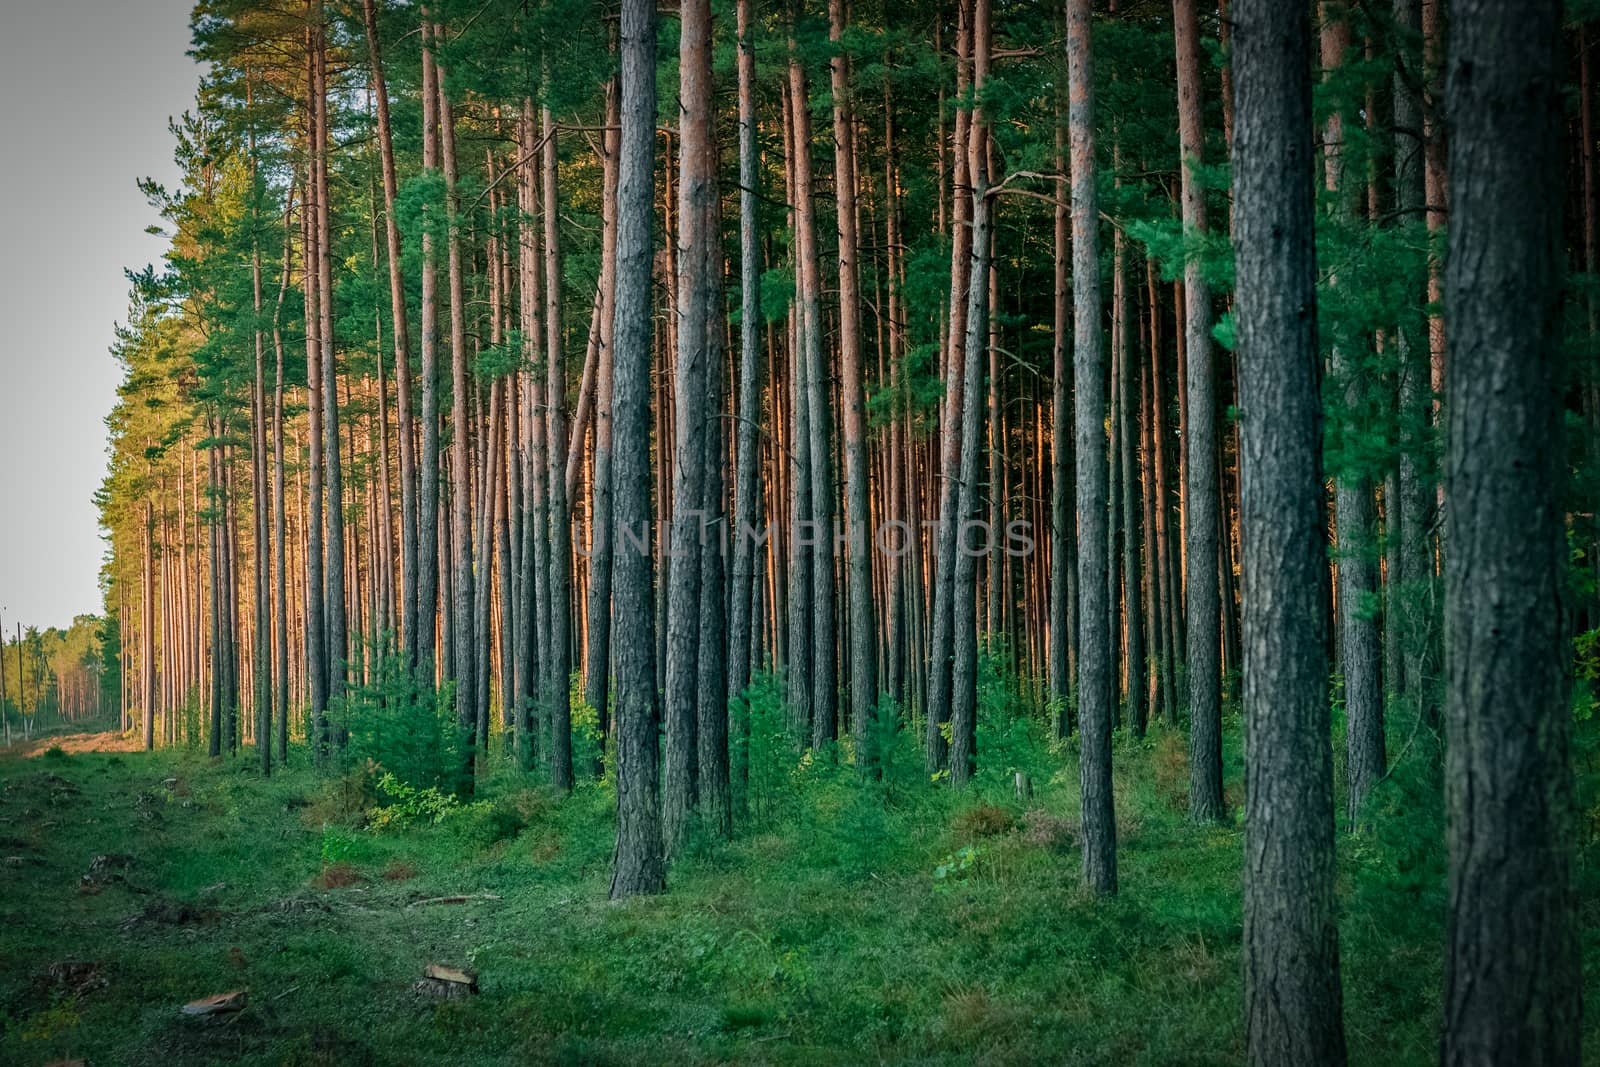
461,898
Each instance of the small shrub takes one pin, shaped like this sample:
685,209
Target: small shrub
55,752
408,806
1171,765
398,871
982,820
340,875
1050,832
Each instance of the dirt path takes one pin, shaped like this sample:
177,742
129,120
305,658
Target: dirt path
94,741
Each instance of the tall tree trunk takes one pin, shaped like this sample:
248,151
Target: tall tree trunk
638,866
279,542
1512,969
334,594
863,658
1414,619
936,748
798,446
535,558
428,478
258,505
559,665
400,327
1354,508
1063,495
462,622
316,633
747,494
147,646
1096,692
1126,416
1291,941
697,164
1201,527
964,622
597,683
824,649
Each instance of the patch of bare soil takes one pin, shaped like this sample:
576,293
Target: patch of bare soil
96,741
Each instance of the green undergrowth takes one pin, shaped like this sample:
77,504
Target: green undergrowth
892,922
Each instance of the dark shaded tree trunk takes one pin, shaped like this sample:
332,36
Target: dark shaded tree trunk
964,621
1201,527
559,666
462,623
1355,514
428,476
747,494
942,637
1512,970
863,630
1096,688
597,667
638,866
1063,495
1293,1011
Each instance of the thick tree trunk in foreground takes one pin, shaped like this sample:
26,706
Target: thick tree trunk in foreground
1293,1008
638,866
1513,972
1096,690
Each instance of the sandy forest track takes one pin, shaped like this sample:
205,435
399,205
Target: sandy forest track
92,741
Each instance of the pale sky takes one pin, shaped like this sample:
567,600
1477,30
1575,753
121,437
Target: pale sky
89,86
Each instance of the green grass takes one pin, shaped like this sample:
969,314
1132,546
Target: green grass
899,924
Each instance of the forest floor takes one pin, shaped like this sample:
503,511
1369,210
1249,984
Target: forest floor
896,924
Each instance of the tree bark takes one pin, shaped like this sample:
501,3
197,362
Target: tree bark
964,622
1201,527
1355,515
638,866
1512,968
428,478
1291,942
863,658
597,683
697,165
462,621
747,494
559,666
1096,692
400,328
335,620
